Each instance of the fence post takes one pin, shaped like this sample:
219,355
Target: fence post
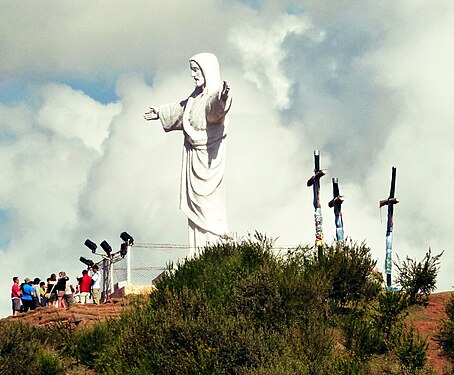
128,268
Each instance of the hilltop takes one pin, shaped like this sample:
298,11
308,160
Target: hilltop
78,316
426,318
239,309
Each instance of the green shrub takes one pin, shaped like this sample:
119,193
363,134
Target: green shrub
344,273
304,287
389,313
258,297
219,268
240,309
48,363
418,279
23,349
411,349
190,344
446,335
352,365
362,335
232,310
350,268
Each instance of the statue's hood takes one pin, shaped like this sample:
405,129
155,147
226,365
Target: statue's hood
210,69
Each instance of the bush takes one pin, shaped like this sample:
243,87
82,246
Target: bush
239,308
418,280
446,335
236,309
23,349
219,268
349,269
389,313
411,349
304,286
362,335
258,298
344,273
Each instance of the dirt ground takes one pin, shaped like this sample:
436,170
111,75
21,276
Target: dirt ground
78,315
426,320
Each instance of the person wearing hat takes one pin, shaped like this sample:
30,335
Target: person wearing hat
27,295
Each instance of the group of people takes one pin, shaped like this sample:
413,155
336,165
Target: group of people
57,291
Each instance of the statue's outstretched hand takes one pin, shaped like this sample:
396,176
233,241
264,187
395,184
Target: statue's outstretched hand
225,91
152,114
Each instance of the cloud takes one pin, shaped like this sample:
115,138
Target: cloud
44,171
72,115
137,175
368,86
415,60
92,39
260,48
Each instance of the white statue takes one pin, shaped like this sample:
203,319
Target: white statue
202,118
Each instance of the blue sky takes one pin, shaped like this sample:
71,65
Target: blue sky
367,83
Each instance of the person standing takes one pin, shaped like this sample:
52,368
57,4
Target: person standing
16,296
27,295
61,288
37,292
42,292
69,294
51,293
95,284
85,287
76,296
202,118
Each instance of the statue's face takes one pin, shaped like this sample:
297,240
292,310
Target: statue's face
197,74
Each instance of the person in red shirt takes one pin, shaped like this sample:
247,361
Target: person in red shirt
15,295
85,287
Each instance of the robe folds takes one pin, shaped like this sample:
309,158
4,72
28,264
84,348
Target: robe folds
202,119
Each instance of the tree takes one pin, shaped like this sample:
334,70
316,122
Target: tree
350,269
418,280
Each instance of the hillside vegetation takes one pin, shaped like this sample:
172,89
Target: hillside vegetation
240,309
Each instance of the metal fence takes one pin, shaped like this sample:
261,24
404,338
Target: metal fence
146,261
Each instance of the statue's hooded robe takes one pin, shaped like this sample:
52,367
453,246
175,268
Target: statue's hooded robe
202,118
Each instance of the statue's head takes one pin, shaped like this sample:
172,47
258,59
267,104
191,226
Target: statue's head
205,71
197,74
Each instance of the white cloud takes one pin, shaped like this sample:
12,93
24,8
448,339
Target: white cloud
71,114
416,61
368,86
92,39
261,51
44,171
